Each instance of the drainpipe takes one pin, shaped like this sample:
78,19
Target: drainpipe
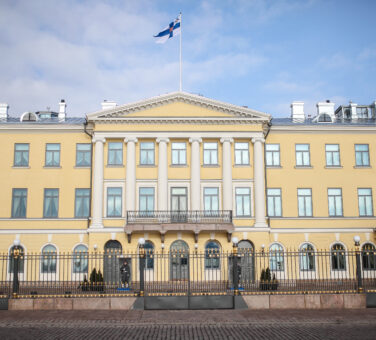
266,179
91,169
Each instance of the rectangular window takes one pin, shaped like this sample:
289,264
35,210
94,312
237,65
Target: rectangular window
51,203
19,201
335,202
114,202
302,155
210,153
82,203
53,154
147,153
274,200
21,154
83,154
241,153
211,199
115,153
304,202
362,112
365,202
243,201
332,155
179,153
272,155
361,155
146,199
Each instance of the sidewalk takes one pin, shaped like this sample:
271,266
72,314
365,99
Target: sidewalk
210,324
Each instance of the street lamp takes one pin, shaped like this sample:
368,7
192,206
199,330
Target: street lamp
358,265
141,243
235,272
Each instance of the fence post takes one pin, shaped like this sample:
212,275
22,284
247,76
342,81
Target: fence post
141,243
235,276
358,264
16,257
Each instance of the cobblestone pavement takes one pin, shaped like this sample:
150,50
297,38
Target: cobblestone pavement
216,324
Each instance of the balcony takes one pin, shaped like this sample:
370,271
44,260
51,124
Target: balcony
193,216
192,220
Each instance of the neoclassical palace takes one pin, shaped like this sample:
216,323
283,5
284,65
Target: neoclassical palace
186,172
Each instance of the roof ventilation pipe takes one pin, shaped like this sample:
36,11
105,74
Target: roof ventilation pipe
62,110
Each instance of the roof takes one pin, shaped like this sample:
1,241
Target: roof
309,121
44,121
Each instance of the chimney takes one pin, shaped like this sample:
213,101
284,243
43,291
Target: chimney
326,107
297,111
4,110
62,110
106,105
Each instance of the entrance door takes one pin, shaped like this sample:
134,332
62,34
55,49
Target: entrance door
179,261
179,205
111,262
246,263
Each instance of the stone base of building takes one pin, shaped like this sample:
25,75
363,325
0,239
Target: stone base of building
307,301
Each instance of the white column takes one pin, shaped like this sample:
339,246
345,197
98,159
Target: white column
195,173
162,174
259,182
226,173
130,180
97,215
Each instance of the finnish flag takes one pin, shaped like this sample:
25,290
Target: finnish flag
171,31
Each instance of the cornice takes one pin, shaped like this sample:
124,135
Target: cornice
174,97
181,120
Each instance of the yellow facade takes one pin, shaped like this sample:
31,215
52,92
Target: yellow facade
181,118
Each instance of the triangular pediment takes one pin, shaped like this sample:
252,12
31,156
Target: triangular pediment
178,105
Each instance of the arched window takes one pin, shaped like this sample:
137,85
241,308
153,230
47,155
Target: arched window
325,118
80,259
212,255
28,117
307,257
113,246
276,257
49,257
338,257
245,247
21,260
149,253
369,256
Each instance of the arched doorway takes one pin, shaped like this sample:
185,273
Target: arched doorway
246,263
179,260
111,261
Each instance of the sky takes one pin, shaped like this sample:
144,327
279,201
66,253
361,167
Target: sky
260,53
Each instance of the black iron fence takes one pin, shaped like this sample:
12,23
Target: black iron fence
183,216
212,272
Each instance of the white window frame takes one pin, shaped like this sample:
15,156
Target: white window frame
242,153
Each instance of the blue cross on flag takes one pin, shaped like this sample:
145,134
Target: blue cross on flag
171,31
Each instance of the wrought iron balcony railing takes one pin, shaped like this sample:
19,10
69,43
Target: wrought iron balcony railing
191,216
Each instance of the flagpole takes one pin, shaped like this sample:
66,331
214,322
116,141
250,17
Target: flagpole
181,31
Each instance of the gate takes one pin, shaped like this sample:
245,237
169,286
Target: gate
186,280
